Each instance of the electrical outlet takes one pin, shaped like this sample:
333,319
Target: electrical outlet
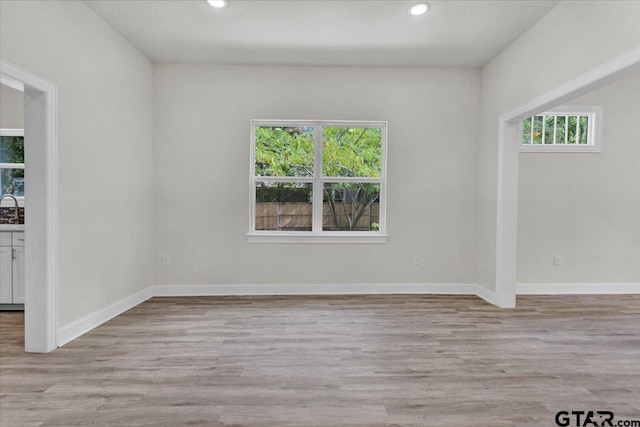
416,260
166,260
557,260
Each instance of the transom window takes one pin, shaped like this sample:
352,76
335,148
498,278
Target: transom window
566,128
12,163
317,181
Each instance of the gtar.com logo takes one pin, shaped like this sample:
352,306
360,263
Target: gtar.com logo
584,418
592,419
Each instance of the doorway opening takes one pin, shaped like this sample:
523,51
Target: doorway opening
41,207
508,164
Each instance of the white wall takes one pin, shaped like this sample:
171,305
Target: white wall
585,207
201,124
105,155
590,33
11,108
442,174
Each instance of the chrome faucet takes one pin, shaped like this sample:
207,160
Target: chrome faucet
17,208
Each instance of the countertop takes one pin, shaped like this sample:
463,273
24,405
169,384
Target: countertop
11,227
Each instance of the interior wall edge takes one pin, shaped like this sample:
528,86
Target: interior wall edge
91,321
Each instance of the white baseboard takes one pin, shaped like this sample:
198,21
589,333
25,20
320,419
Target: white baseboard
81,326
486,294
315,289
576,288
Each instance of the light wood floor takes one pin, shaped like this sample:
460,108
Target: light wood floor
322,361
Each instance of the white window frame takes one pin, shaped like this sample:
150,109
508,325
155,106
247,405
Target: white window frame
594,132
7,202
317,235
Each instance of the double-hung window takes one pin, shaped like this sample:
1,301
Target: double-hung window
568,128
12,164
317,181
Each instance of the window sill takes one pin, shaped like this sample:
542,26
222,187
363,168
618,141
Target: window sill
559,148
327,237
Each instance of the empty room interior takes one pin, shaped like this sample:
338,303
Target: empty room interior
319,213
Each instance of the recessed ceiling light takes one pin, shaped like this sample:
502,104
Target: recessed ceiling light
419,9
218,3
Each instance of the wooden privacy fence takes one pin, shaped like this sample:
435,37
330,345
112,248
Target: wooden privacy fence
297,216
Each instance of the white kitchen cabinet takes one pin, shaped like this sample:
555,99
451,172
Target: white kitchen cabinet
11,267
6,275
18,275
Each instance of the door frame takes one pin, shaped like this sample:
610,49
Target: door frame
508,141
41,215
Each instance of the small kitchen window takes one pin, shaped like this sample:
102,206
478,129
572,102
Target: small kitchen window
568,128
12,165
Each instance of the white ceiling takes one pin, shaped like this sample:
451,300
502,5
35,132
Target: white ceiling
321,32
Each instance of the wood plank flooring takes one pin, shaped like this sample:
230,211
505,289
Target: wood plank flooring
393,360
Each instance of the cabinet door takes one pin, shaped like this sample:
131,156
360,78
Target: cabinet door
5,238
6,282
18,275
17,238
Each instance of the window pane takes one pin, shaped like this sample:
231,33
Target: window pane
573,120
352,151
548,129
584,120
560,130
11,149
526,131
351,207
283,206
284,151
12,181
537,130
